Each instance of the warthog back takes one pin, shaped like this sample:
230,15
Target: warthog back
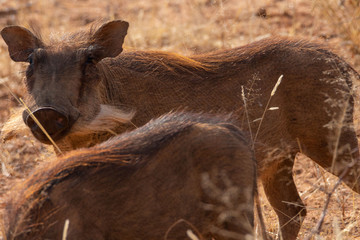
176,173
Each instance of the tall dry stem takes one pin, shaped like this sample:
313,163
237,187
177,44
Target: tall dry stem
40,125
319,224
246,112
192,235
266,108
257,199
338,127
66,228
21,102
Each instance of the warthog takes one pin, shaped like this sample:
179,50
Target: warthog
80,85
178,172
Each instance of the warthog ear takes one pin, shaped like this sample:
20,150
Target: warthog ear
108,39
21,42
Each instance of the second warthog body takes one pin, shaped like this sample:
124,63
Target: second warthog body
178,172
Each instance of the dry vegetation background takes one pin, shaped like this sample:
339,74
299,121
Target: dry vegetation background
186,27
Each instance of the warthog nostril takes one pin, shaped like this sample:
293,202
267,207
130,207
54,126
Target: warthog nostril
61,122
52,120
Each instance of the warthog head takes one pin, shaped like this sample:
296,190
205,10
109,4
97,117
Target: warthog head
62,77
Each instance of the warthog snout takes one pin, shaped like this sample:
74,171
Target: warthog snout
54,122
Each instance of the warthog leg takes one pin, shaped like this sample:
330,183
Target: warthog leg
283,196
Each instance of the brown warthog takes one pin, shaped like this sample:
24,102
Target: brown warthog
154,182
78,81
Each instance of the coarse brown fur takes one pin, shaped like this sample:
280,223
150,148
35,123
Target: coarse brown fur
137,185
312,107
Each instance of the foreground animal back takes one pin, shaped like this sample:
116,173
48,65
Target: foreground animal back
176,173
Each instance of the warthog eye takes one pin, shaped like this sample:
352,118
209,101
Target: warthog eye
89,70
30,59
29,72
89,62
90,59
30,69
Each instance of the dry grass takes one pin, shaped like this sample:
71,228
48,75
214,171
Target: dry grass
344,17
192,26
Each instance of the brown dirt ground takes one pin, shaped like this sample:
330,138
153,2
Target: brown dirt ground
186,27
